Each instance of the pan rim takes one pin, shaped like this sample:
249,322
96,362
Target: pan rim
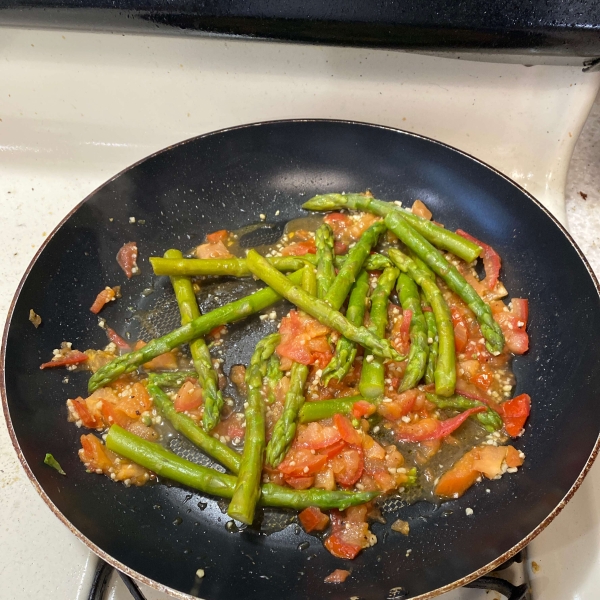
182,595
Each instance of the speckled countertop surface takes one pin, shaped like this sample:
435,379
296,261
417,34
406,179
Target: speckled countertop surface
583,189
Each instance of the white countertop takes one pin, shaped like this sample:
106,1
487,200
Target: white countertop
77,108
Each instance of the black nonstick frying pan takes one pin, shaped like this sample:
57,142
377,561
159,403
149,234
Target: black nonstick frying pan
163,534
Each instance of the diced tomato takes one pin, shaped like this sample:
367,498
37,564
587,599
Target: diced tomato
303,339
337,221
349,532
483,378
347,431
315,436
362,408
312,519
107,295
339,548
217,236
458,479
334,449
300,248
514,413
300,462
300,483
400,405
340,248
166,361
230,427
513,324
216,250
94,453
520,308
189,397
83,414
433,429
73,357
127,259
114,416
461,333
491,260
348,466
481,460
419,209
116,339
338,576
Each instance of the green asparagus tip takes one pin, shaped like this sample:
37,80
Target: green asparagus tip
52,462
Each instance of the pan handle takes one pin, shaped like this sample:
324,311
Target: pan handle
102,577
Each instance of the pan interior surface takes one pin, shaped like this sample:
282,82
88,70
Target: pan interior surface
226,180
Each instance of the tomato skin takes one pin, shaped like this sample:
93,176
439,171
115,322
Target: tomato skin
491,260
217,236
334,449
167,361
127,259
432,429
312,519
514,413
300,248
117,340
348,433
73,357
84,414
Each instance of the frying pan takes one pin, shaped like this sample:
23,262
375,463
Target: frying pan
162,534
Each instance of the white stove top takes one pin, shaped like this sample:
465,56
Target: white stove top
77,108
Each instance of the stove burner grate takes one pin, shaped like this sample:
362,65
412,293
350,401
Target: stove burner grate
489,583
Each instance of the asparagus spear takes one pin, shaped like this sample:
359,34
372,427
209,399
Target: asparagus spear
325,266
318,309
440,237
336,295
207,377
490,419
454,280
247,487
371,383
236,267
174,379
228,313
273,376
419,350
325,409
285,428
445,369
345,349
182,423
164,463
432,340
